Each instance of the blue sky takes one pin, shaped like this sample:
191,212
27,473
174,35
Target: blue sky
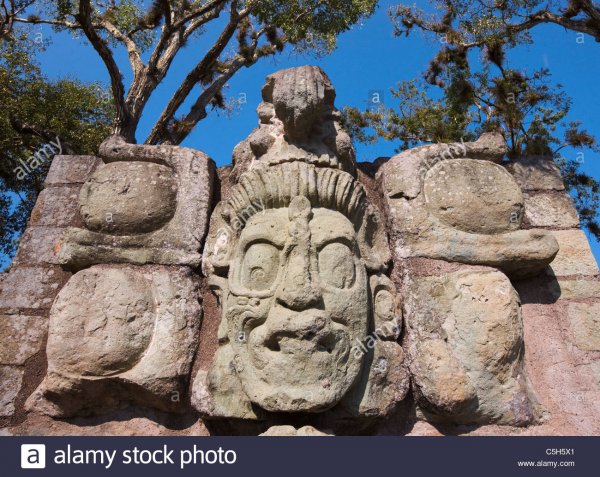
368,58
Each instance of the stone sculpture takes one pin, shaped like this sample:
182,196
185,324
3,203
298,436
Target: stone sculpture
143,204
120,334
464,334
318,331
298,258
126,330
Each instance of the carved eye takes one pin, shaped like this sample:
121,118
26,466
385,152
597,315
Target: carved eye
260,266
336,265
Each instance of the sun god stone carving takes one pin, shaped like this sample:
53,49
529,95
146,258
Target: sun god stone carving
297,257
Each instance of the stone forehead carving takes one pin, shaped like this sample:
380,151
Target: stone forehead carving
297,255
275,187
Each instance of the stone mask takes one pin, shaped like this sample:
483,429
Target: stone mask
297,303
297,257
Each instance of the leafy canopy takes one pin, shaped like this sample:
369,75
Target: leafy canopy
35,112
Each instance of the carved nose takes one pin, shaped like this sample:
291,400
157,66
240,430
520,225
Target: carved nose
300,289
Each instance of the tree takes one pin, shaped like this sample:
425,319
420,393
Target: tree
152,38
491,25
529,111
38,119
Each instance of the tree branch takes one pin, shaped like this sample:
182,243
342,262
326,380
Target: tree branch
123,117
198,110
159,130
30,129
133,52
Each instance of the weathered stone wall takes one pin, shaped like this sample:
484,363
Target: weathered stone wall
109,326
560,308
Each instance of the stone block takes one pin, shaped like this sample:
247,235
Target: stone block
306,431
40,245
472,195
30,287
461,210
71,169
550,209
537,173
579,289
21,337
57,207
595,367
585,325
10,384
574,255
464,341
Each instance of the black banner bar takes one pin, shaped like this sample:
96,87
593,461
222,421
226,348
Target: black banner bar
299,456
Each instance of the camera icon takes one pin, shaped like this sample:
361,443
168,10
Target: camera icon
33,456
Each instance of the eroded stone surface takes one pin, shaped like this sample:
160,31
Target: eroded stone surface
298,255
287,431
30,287
575,255
550,210
10,384
40,246
124,198
298,122
123,333
537,173
473,195
465,341
444,206
578,289
71,169
56,206
21,337
585,325
143,205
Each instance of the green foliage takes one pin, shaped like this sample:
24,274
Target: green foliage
527,109
416,118
35,111
313,24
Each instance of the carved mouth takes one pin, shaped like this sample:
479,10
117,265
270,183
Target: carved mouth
301,342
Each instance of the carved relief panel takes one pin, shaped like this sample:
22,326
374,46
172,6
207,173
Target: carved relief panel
297,257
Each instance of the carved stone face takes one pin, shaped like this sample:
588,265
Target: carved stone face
296,305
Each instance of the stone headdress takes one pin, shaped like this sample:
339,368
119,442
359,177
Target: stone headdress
299,149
